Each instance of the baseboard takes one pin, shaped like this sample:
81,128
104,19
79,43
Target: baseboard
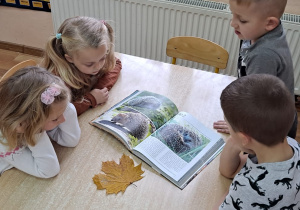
21,48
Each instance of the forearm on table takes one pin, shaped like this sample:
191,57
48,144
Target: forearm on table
88,101
39,160
230,159
220,201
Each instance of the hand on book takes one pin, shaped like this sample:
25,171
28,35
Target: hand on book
221,126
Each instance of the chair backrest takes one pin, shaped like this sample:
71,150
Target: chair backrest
198,50
18,66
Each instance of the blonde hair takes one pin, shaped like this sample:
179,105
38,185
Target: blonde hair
78,33
268,7
21,104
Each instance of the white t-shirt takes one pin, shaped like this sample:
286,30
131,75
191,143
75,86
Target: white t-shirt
41,160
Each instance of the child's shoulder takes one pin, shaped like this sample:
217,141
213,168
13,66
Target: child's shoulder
6,152
293,142
3,146
256,183
269,41
295,145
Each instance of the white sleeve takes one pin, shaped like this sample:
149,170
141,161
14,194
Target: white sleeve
67,133
39,160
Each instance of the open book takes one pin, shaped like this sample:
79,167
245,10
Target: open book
173,143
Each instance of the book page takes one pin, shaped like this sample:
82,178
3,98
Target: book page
180,146
137,117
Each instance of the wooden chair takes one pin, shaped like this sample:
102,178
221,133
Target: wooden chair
198,50
18,66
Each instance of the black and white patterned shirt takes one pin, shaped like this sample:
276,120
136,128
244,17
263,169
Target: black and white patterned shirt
266,185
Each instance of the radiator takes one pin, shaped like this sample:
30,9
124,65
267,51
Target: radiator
143,27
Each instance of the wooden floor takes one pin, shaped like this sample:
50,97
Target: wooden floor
9,58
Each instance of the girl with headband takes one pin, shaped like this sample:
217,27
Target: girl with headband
34,108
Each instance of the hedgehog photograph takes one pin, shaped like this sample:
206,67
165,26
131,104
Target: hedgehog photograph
149,102
136,124
178,138
181,140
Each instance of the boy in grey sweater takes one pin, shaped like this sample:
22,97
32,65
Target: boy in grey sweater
264,48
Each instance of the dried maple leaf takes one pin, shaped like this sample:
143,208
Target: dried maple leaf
118,177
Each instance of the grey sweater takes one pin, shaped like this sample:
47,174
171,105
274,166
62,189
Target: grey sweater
270,54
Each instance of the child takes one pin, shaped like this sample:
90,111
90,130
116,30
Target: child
34,106
269,177
82,55
264,48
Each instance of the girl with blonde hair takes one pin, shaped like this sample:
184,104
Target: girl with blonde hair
82,55
35,106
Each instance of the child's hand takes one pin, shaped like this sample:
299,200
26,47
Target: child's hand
221,126
101,96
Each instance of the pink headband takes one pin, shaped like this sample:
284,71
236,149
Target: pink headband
47,97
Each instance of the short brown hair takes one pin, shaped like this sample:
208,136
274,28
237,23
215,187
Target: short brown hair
259,105
269,7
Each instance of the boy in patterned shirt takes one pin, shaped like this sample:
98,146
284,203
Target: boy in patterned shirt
263,162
